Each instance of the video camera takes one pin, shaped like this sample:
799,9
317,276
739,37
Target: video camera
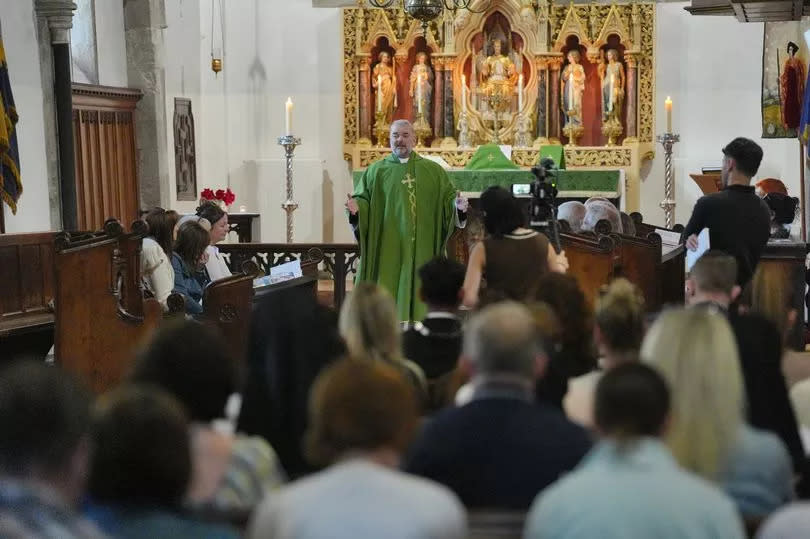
542,208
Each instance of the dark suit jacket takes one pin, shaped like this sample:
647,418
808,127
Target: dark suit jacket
434,344
498,452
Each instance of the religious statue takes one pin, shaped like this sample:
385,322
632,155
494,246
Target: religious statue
384,81
421,85
791,87
611,75
572,84
498,75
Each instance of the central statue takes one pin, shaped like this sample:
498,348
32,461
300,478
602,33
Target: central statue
498,73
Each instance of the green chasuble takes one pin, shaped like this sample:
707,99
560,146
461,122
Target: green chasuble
406,215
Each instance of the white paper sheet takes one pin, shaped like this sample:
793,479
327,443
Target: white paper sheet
703,246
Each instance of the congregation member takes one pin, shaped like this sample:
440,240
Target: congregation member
141,467
501,448
629,485
369,325
230,472
188,261
512,258
157,272
362,417
434,344
572,212
215,264
44,449
712,284
383,211
628,225
790,522
597,209
574,354
292,338
737,219
618,331
708,434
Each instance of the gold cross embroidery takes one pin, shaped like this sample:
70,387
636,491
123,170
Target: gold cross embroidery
409,181
491,157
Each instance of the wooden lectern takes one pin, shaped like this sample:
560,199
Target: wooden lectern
708,183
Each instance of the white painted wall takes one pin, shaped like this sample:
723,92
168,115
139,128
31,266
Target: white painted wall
712,68
110,43
22,53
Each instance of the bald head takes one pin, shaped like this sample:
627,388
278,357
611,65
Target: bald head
573,212
597,210
402,138
502,339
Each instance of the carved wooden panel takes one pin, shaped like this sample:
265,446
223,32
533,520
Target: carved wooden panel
106,159
185,156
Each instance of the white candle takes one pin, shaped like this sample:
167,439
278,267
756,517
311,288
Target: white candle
520,92
668,106
288,119
379,93
612,89
464,92
419,93
570,91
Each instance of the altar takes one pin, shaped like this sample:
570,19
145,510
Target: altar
577,76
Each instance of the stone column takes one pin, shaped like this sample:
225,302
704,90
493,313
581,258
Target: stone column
632,96
449,103
437,121
55,19
144,22
542,100
554,126
366,104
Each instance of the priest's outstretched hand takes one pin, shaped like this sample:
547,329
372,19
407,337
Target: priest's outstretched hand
462,204
351,205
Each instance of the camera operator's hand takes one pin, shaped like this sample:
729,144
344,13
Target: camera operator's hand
562,263
462,203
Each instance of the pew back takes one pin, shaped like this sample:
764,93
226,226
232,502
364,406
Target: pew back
228,304
592,261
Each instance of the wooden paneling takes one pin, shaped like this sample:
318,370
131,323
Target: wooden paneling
27,285
106,168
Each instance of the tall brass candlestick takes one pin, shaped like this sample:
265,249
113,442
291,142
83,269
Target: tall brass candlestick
668,140
289,142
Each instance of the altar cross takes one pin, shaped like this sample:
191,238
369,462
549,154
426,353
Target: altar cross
491,157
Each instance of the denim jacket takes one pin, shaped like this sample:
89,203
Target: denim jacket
187,283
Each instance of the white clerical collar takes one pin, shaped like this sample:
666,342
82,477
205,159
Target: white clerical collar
404,159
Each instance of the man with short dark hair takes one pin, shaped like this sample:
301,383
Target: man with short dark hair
501,448
739,222
435,343
630,485
712,284
44,421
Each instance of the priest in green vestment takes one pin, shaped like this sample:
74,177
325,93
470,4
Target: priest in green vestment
404,209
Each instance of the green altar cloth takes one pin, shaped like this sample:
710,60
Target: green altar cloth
570,183
490,157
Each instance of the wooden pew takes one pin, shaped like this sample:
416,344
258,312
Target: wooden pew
786,259
26,295
227,304
101,318
591,260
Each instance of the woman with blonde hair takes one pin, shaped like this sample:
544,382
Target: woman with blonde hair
370,326
696,352
618,331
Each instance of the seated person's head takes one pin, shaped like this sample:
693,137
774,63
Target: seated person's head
360,406
369,323
632,401
573,212
628,226
783,212
442,280
44,421
768,186
211,212
713,278
741,158
161,227
142,453
619,322
502,213
601,209
502,340
191,362
191,243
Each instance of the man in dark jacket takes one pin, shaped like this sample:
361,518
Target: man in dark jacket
739,222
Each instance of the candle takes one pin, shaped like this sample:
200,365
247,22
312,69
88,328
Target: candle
668,106
520,92
612,90
570,92
419,93
379,93
288,119
464,92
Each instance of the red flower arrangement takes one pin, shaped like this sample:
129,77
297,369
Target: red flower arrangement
226,196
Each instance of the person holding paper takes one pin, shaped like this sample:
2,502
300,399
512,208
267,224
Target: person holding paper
404,210
737,219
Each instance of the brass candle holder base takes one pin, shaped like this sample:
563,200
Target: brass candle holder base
381,129
612,129
573,132
422,129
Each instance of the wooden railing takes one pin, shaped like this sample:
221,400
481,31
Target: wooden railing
339,260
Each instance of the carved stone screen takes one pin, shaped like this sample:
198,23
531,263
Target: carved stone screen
185,157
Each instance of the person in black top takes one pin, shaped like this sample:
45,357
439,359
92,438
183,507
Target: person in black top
737,219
